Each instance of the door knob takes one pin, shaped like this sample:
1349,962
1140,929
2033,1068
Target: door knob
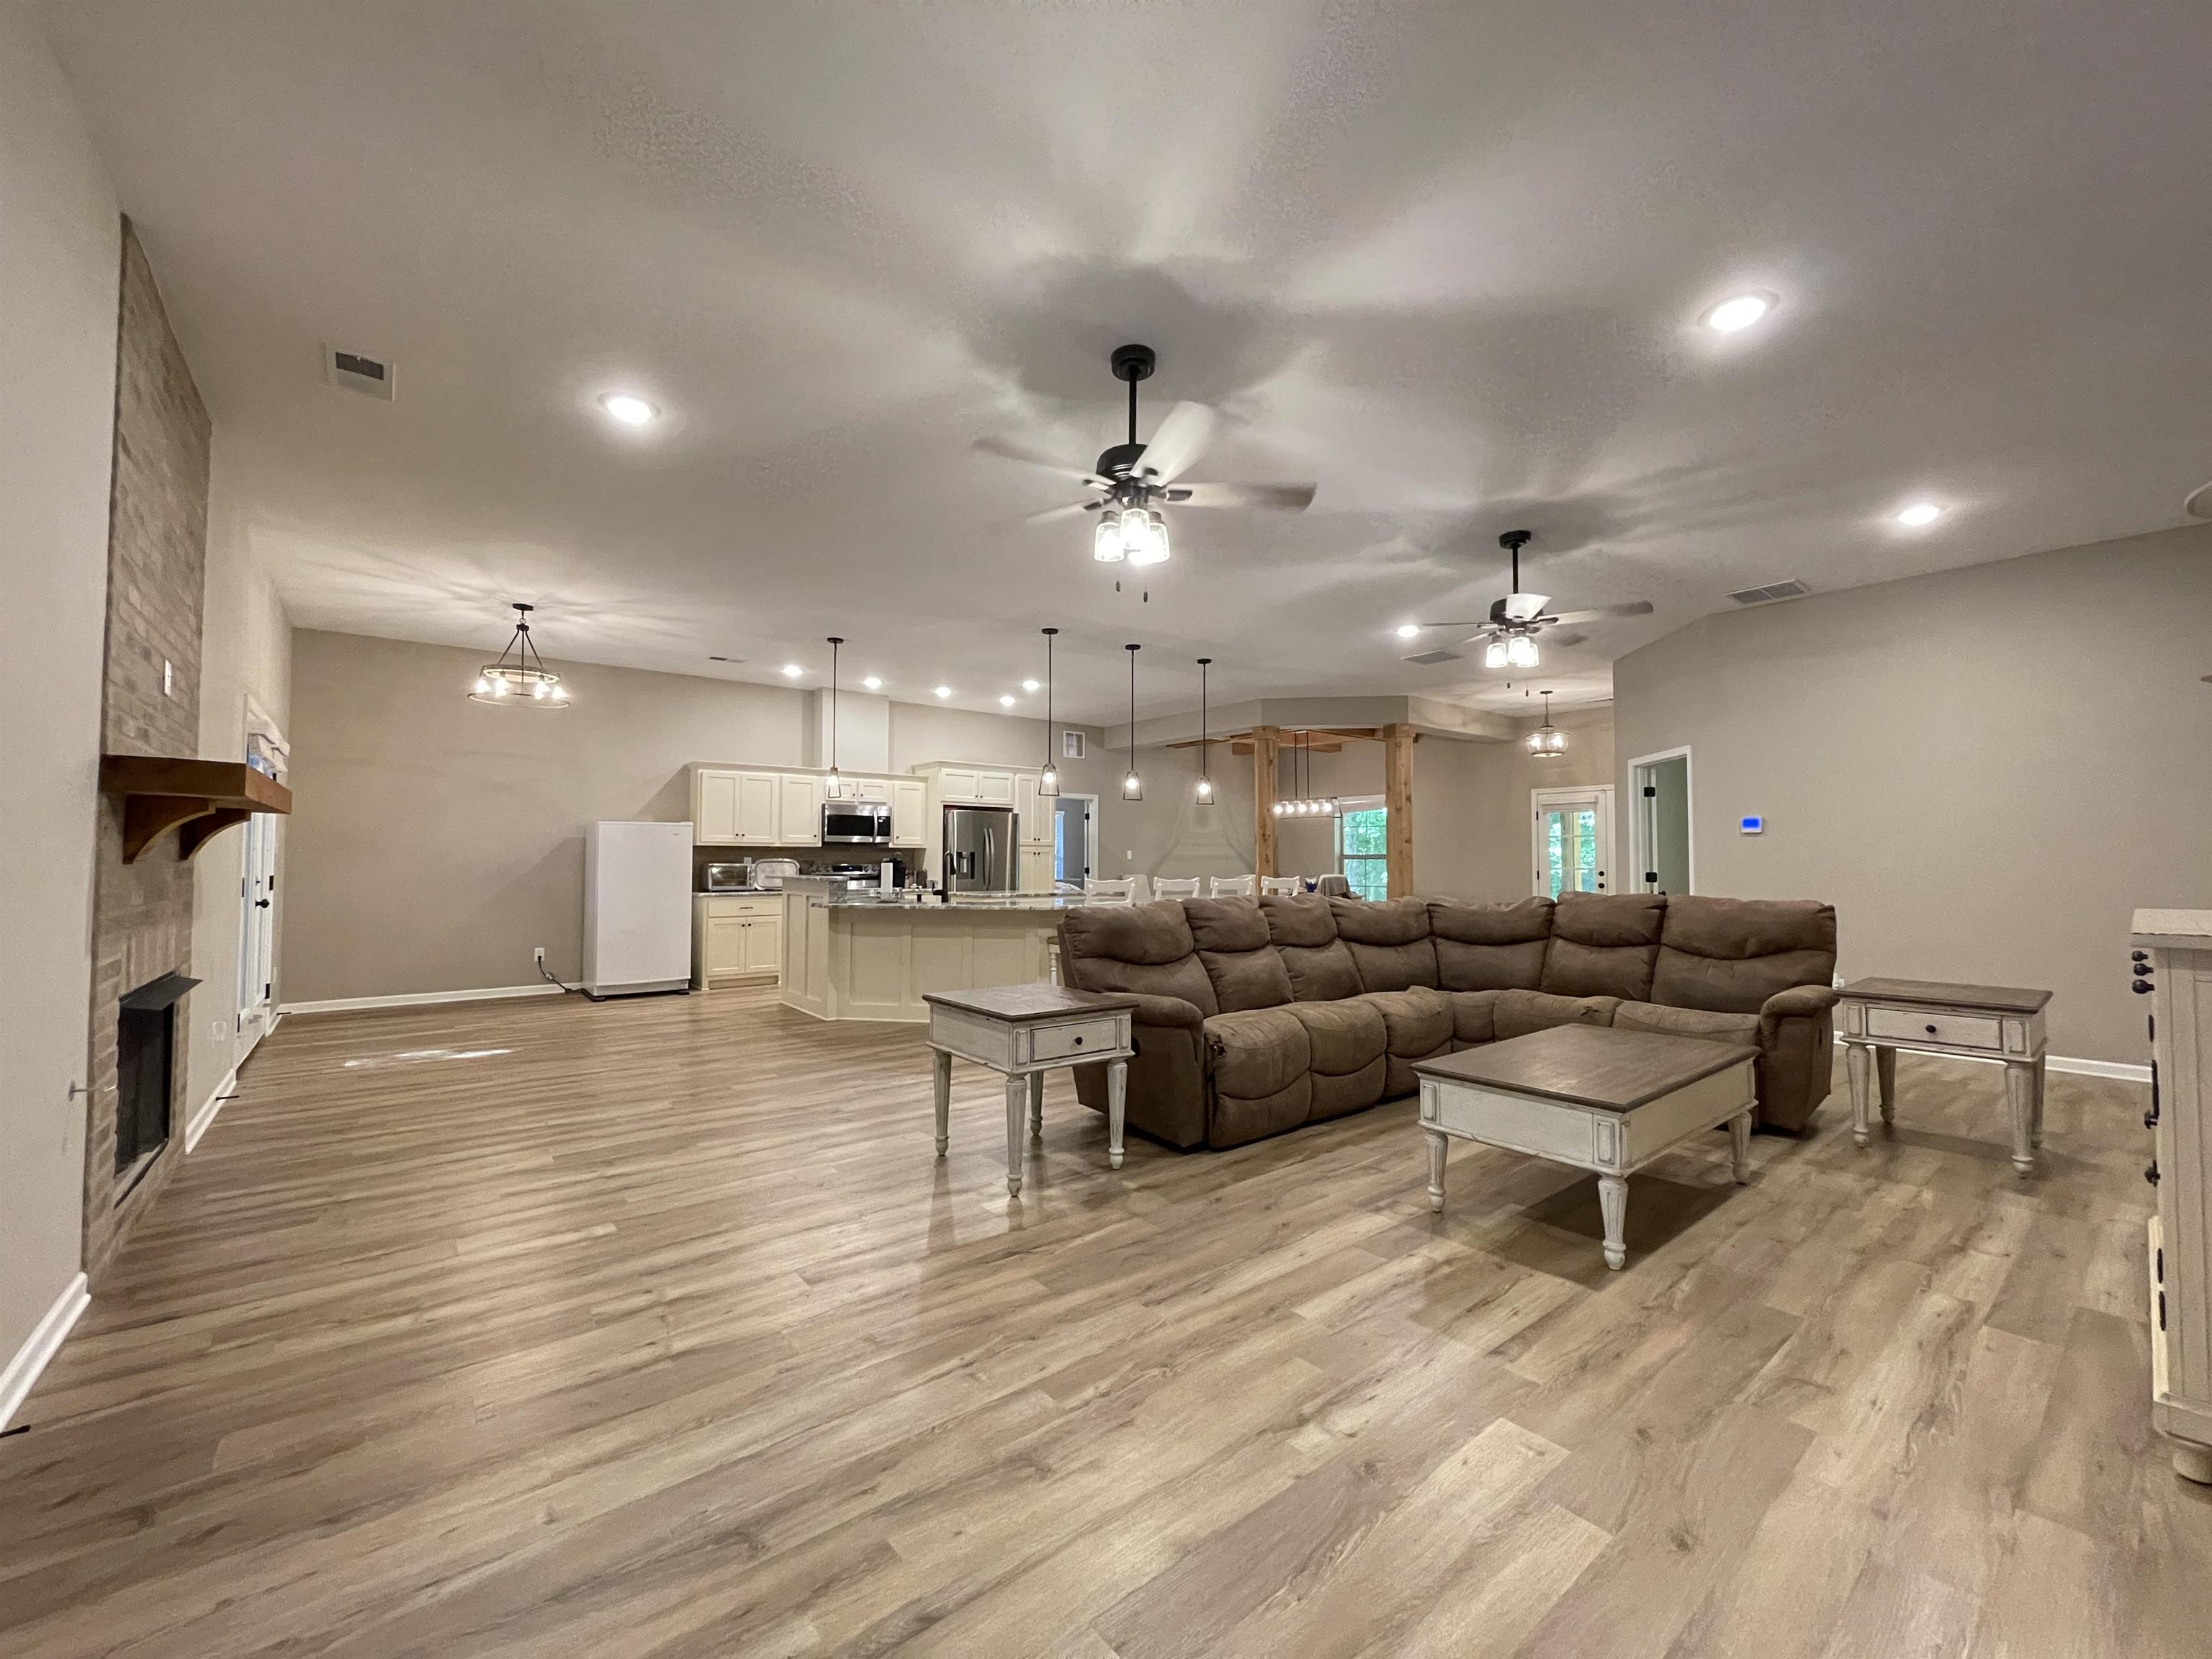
261,904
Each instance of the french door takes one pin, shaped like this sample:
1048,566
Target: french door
1573,840
256,939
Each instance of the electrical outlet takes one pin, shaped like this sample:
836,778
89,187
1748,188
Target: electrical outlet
537,954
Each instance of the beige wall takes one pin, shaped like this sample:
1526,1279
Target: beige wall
1984,770
57,309
1473,811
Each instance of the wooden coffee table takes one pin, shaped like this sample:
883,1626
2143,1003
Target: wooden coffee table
1025,1031
1592,1099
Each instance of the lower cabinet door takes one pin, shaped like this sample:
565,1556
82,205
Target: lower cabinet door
1035,870
727,939
764,947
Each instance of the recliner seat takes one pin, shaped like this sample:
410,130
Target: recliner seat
1255,1016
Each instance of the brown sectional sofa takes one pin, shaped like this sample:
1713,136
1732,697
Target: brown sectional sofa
1256,1016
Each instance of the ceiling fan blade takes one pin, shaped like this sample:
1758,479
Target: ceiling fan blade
1633,608
1181,439
1449,624
1006,450
1288,498
1051,514
1565,639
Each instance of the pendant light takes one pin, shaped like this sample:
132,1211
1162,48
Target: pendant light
1133,786
1047,779
1205,783
519,679
1547,742
833,786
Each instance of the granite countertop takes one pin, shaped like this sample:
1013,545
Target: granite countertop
968,901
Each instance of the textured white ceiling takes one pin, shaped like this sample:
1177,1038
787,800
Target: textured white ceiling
1445,260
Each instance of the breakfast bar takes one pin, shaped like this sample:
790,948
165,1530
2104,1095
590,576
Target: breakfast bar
859,955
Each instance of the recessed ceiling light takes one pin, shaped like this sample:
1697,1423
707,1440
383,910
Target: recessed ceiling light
1919,514
874,681
792,670
944,691
1030,685
629,408
1738,311
1007,702
1408,631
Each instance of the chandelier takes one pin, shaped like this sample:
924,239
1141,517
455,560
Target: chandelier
1304,804
519,678
1547,742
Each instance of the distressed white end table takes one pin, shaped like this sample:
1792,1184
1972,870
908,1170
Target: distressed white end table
1875,1018
1592,1099
1025,1031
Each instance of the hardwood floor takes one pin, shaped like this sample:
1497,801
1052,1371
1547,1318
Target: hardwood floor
654,1329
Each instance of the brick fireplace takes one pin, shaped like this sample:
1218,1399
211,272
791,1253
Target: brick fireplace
141,932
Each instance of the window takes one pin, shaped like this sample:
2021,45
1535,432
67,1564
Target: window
1363,846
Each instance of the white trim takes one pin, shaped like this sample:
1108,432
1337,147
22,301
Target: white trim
419,998
197,1125
1639,854
39,1347
2119,1071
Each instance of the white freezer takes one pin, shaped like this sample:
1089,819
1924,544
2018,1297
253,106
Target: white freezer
637,908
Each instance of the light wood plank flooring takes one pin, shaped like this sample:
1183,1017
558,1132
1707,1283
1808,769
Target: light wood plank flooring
654,1329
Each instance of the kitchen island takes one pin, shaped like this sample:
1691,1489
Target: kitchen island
854,955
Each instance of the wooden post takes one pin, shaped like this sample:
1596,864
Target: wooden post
1398,804
1265,740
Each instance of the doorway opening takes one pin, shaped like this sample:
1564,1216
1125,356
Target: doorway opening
265,752
1573,840
1074,838
1662,842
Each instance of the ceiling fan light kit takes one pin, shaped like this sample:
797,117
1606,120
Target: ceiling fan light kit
1509,636
519,679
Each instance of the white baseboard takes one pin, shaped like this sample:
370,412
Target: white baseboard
420,998
2119,1071
197,1124
39,1347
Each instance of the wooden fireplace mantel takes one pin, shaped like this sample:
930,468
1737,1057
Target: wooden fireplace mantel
161,793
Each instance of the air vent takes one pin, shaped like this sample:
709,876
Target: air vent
712,658
1789,590
1426,658
1071,745
369,376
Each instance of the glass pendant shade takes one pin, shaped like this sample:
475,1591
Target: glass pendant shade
1205,790
1133,786
1547,742
1493,654
520,676
1204,795
1520,652
1106,540
834,785
1049,779
1047,783
1143,537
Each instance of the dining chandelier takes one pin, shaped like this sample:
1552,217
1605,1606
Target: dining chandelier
519,679
1304,804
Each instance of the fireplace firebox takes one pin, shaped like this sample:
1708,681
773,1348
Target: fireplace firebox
145,1067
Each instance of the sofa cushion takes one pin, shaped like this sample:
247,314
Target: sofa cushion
1236,1120
1490,947
1474,1017
1687,1022
1319,968
1417,1026
1388,941
1238,957
1256,1054
1730,955
1517,1013
1348,1042
1604,945
1145,948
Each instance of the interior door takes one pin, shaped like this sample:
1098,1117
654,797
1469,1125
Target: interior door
1573,840
257,889
1663,859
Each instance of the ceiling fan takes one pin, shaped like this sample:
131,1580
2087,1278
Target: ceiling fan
1133,481
1517,620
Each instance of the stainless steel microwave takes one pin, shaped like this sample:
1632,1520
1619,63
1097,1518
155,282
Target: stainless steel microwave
865,821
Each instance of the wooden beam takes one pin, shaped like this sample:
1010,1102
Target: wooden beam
1264,741
1398,804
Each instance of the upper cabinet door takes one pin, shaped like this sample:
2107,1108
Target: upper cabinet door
957,786
758,808
715,806
909,812
801,810
995,788
1026,817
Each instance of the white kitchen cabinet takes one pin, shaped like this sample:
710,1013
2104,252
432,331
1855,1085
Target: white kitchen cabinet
1027,818
759,800
799,810
713,807
956,786
994,789
736,936
909,812
1035,869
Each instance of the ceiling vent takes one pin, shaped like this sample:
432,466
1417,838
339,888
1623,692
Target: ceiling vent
1789,590
1426,658
366,375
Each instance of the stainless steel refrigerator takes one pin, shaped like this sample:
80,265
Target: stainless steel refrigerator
979,850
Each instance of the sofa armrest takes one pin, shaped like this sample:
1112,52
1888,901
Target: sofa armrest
1171,1011
1168,1094
1797,1000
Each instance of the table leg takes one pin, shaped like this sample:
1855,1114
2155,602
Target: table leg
1857,1061
943,1063
1885,1071
1613,1199
2036,1138
1017,1094
2019,1096
1740,1146
1440,1143
1037,1102
1117,1101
